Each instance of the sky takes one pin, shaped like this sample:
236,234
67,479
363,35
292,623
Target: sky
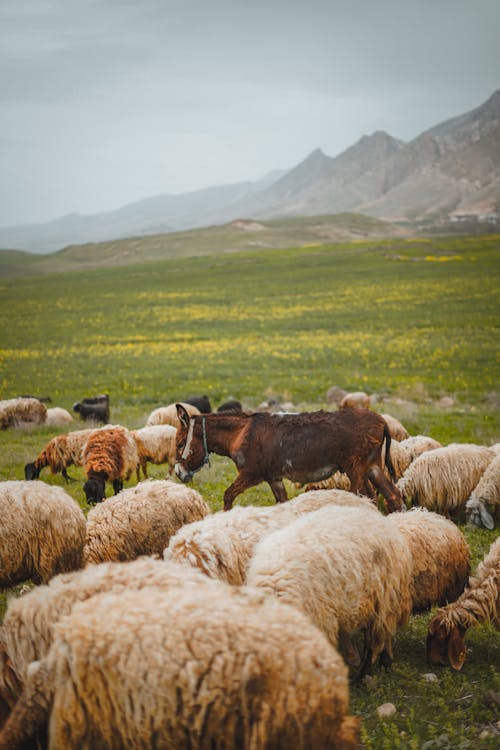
105,102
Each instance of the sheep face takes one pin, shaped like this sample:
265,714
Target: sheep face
95,490
477,514
446,647
31,472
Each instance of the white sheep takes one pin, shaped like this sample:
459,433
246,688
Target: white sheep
168,414
156,445
486,492
418,444
222,545
27,630
140,520
397,430
346,568
356,400
188,668
58,417
109,455
17,412
60,452
443,479
480,603
441,557
42,531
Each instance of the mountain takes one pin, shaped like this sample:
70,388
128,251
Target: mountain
450,171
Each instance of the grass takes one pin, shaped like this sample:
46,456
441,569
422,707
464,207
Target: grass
409,319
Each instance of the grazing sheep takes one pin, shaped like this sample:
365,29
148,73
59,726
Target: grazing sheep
58,417
92,412
208,666
27,630
230,406
335,394
441,557
109,455
356,400
16,412
443,479
487,491
479,603
222,545
202,403
348,568
168,415
140,520
156,444
418,444
397,430
42,531
59,453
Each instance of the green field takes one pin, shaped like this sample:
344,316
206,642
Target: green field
411,320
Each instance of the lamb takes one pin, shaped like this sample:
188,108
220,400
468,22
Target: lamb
443,479
221,545
109,454
58,417
27,631
418,444
17,412
487,491
187,668
62,451
357,399
140,520
42,530
347,568
480,603
168,415
441,557
397,430
156,444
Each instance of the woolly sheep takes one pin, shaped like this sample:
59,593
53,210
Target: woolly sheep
443,479
222,545
140,520
156,444
480,603
59,453
441,557
108,455
397,430
189,670
27,630
347,568
58,417
357,400
16,412
42,530
487,491
168,415
418,444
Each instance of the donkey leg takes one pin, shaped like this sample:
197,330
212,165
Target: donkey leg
240,484
391,493
278,490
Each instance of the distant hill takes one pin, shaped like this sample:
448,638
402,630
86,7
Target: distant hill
450,171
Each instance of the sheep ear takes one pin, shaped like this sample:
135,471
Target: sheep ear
182,415
486,518
456,648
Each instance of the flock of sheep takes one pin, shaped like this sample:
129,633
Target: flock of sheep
158,623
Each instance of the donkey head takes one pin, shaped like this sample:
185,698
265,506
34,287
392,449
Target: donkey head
191,445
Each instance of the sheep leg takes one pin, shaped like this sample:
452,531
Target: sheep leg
278,490
117,485
67,477
366,660
240,484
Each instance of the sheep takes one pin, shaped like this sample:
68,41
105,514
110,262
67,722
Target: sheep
156,444
168,415
222,545
62,451
58,417
357,399
335,394
397,430
92,412
441,557
418,444
202,403
108,455
443,479
188,668
42,530
487,491
480,603
232,405
348,568
17,412
27,630
140,520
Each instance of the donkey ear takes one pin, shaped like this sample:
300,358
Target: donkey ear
182,415
456,648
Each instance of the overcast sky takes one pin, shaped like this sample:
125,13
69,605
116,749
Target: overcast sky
104,102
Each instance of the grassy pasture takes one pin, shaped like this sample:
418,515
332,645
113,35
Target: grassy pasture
410,320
